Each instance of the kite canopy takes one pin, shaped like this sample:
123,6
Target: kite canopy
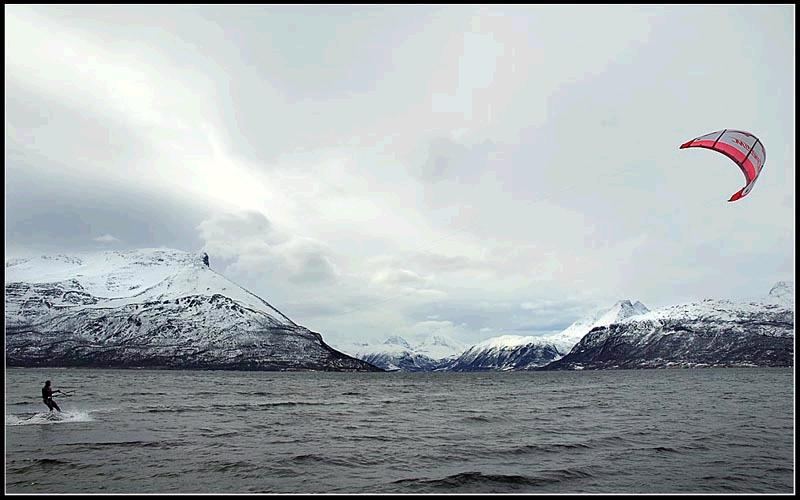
743,148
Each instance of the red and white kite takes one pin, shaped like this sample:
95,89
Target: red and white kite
742,147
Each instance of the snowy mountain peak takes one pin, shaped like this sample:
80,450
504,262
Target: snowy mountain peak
507,352
711,332
134,276
439,346
397,340
621,310
437,340
508,342
150,308
627,307
783,291
397,353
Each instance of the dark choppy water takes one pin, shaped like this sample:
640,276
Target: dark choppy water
701,430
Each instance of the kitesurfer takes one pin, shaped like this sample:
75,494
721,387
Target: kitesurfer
47,396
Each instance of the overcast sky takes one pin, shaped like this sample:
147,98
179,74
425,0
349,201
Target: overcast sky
407,170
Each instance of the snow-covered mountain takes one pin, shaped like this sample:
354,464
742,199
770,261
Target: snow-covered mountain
709,333
150,307
506,352
438,346
567,339
782,293
514,352
397,354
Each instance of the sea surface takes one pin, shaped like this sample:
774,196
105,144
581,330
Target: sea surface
628,431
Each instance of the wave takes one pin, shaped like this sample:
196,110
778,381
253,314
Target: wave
252,406
780,469
667,449
312,458
477,418
531,448
218,434
366,437
472,480
124,394
240,466
343,461
592,443
122,444
47,418
234,406
571,407
41,464
169,410
481,482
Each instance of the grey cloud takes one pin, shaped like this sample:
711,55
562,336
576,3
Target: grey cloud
45,214
43,131
71,175
453,160
255,247
271,65
399,277
309,263
106,238
421,266
231,234
500,316
487,151
434,262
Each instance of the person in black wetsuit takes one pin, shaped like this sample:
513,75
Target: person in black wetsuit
47,396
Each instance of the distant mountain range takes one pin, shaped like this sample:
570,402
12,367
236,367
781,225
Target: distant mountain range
627,335
155,308
165,308
505,352
397,354
708,333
